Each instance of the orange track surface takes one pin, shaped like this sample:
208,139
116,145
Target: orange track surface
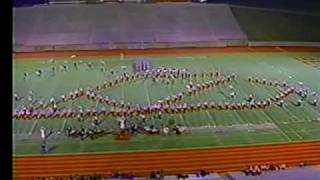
61,54
172,162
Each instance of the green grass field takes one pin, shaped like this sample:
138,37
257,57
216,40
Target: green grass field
208,128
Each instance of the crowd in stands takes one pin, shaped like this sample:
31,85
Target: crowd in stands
154,175
200,174
257,170
74,177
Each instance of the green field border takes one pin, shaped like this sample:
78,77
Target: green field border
168,149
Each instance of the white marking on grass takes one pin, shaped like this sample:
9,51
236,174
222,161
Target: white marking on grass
184,121
63,125
33,126
240,118
122,92
147,93
272,121
65,121
212,119
297,119
148,98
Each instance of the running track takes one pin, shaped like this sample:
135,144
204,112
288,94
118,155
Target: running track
172,162
188,161
185,51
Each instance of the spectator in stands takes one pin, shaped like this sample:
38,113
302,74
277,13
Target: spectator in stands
203,173
182,176
283,166
159,175
152,175
302,164
115,175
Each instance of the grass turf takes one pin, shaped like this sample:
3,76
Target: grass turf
224,128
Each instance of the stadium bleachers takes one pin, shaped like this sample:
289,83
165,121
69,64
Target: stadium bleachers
128,24
289,174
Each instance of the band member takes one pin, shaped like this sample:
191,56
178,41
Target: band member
75,65
65,67
299,102
232,94
228,78
43,147
281,103
43,133
63,98
16,97
30,99
89,65
284,84
96,121
25,75
264,81
122,124
233,76
250,98
52,100
212,105
39,72
275,83
314,102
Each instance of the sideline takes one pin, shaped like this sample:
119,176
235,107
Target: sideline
182,51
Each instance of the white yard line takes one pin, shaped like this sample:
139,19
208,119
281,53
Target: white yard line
212,119
148,98
65,121
295,132
186,124
33,126
273,122
184,121
63,125
122,93
242,121
147,93
287,111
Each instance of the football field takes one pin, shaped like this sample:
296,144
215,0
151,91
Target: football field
205,128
